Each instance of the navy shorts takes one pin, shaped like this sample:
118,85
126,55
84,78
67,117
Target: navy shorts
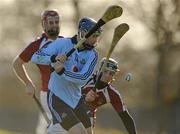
65,115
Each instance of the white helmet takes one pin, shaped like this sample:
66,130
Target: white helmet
111,64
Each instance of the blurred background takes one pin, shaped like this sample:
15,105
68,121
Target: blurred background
149,50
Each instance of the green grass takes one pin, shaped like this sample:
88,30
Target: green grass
107,131
8,132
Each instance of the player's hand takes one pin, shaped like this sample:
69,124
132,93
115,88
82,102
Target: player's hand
91,96
30,89
58,66
61,58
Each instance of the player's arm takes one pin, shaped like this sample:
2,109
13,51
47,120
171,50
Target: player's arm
18,66
46,55
123,113
81,77
128,121
20,70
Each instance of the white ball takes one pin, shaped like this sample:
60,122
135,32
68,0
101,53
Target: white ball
128,77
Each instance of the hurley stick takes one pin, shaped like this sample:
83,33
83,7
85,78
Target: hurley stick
112,12
118,34
41,109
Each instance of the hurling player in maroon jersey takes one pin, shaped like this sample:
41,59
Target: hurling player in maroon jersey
106,93
50,20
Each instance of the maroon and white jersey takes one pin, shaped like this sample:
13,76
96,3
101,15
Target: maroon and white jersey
106,94
27,53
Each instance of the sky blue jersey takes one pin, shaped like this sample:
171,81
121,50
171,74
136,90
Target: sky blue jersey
78,69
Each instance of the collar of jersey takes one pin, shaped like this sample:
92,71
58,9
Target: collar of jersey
74,41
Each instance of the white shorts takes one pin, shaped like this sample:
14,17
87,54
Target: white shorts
43,98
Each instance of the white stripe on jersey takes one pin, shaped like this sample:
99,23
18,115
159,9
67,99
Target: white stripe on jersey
114,90
89,84
105,93
44,42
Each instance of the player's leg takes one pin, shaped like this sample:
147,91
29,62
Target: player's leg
90,130
82,112
56,129
43,98
63,114
42,125
78,129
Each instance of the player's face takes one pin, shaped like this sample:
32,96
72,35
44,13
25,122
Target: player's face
107,75
92,40
51,25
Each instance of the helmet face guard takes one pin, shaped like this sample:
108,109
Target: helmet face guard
85,25
110,65
50,22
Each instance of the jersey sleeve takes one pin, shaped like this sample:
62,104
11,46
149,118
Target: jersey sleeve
43,56
86,72
116,100
27,53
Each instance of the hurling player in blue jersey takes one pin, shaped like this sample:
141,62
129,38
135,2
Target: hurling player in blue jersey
64,95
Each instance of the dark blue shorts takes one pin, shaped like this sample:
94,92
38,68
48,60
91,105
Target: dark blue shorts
65,115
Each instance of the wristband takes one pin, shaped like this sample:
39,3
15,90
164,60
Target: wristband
53,58
61,72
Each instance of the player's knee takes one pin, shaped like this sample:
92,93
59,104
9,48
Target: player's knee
78,129
56,129
89,130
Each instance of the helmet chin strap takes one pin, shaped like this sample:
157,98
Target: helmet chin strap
85,45
80,35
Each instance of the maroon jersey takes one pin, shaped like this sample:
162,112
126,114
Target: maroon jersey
106,94
26,54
